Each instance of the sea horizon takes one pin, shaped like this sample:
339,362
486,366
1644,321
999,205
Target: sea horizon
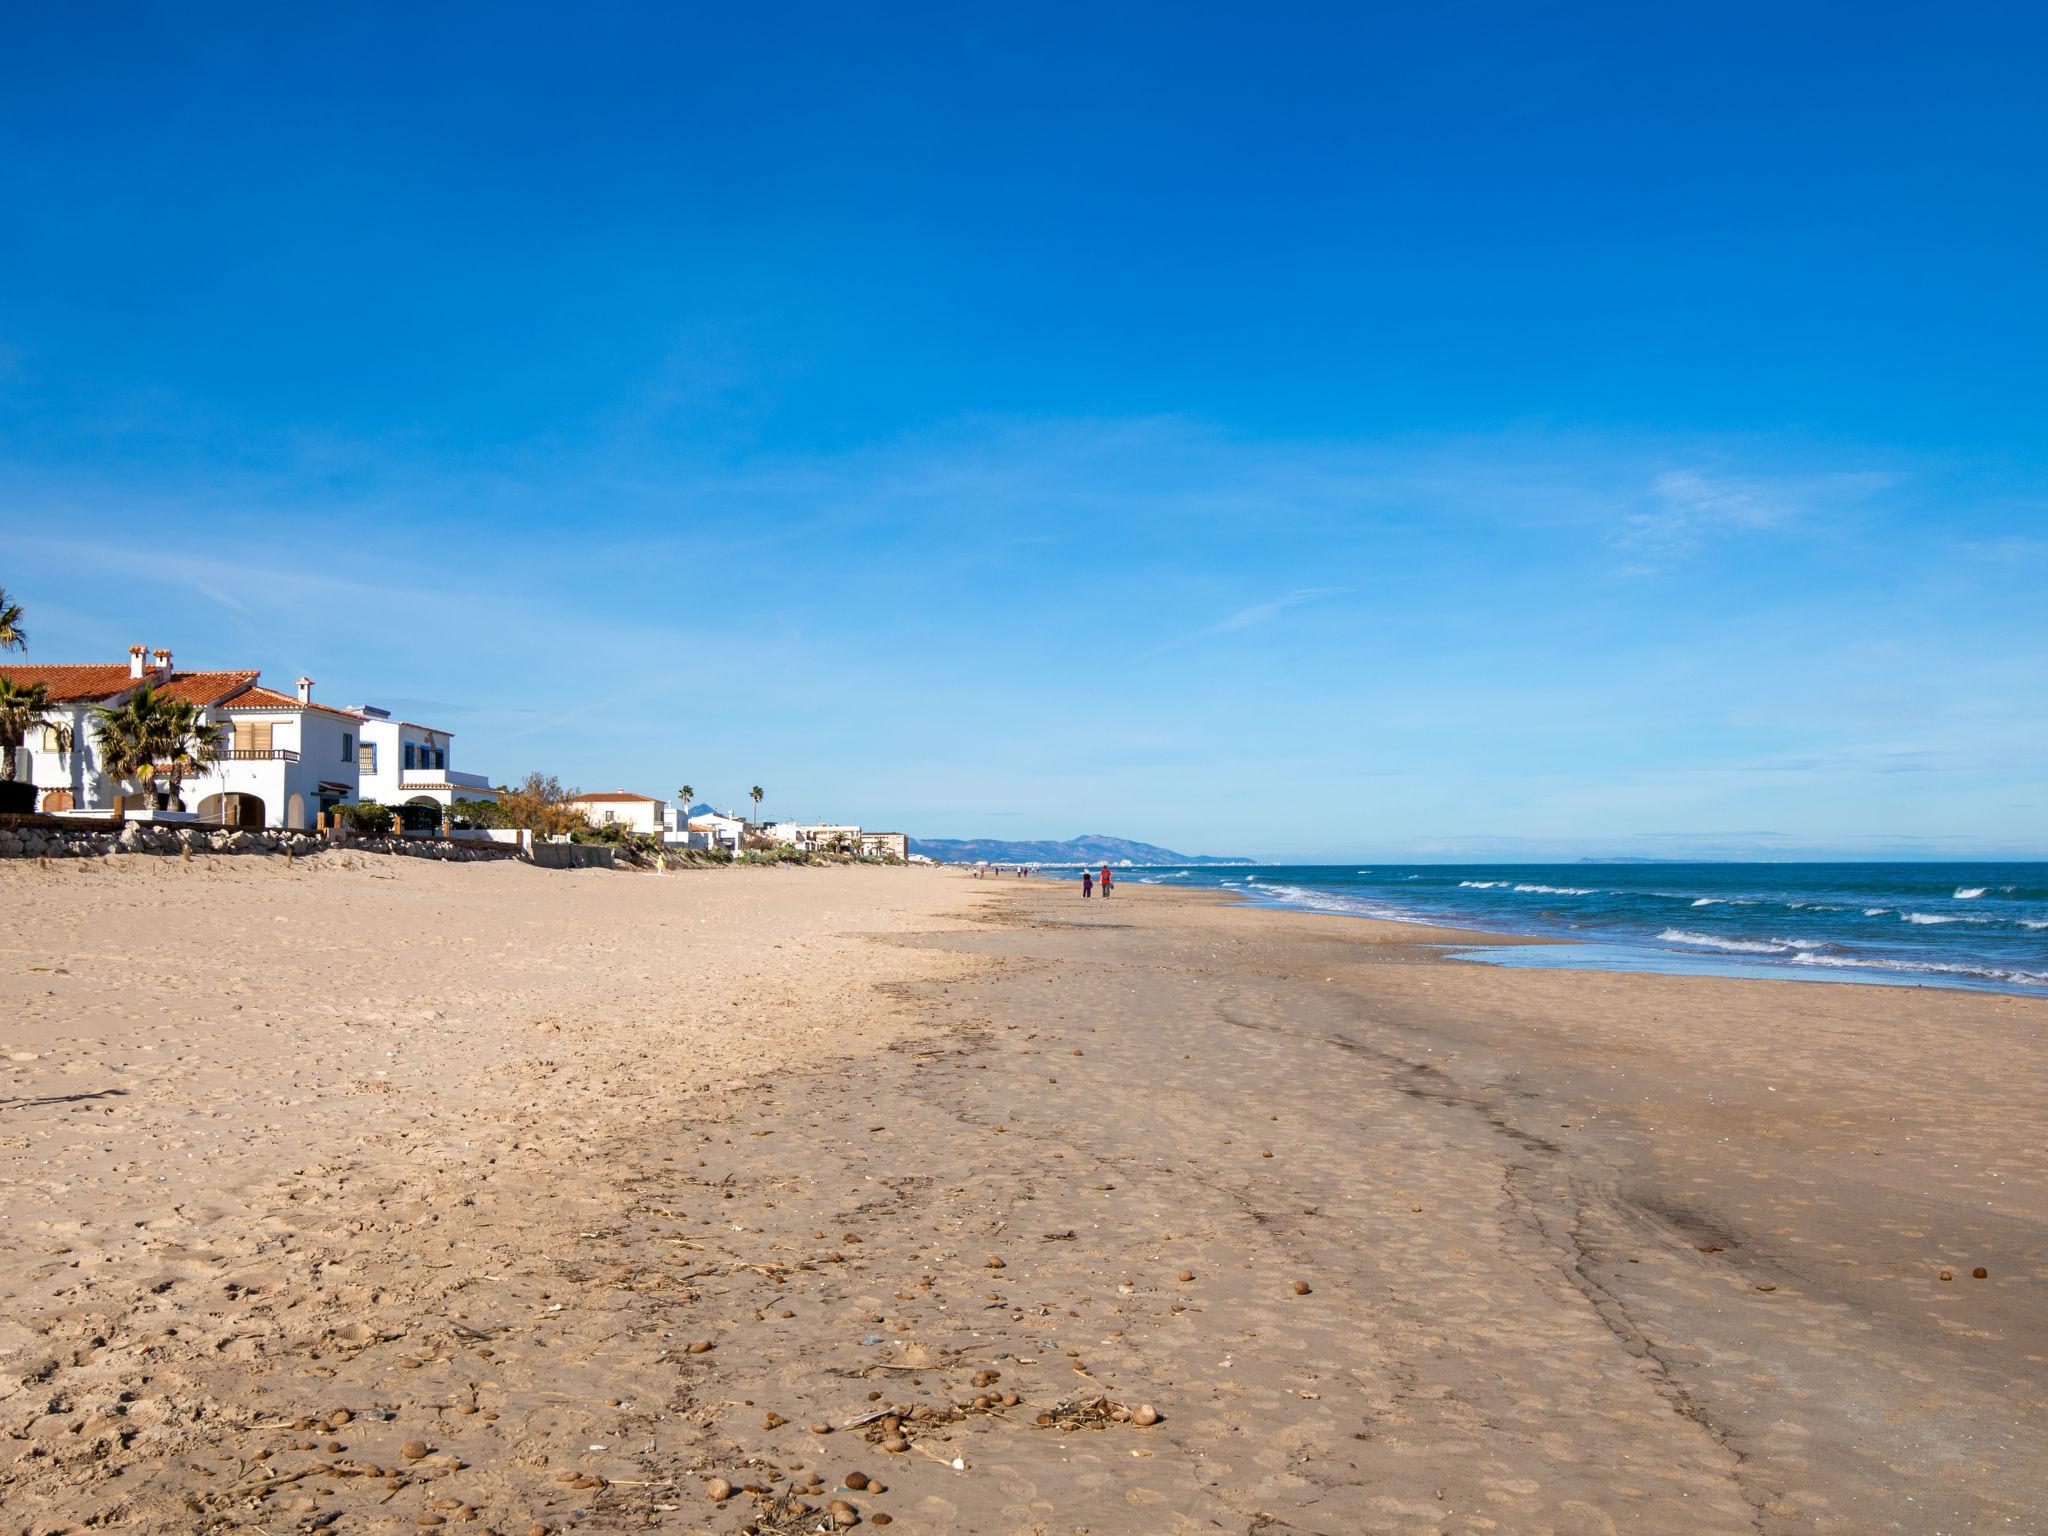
1979,925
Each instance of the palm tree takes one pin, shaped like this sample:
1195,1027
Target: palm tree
12,636
755,795
192,746
684,795
127,737
20,708
149,733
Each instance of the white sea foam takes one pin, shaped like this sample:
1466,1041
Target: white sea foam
1330,901
1928,967
1708,901
1558,890
2034,922
1875,911
1930,919
1738,946
1483,885
1969,892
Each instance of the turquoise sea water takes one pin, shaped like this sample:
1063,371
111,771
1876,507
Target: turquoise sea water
1953,925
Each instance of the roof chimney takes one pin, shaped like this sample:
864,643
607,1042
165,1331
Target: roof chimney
161,656
305,690
136,655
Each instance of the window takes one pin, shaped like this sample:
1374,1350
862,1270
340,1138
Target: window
411,755
366,757
608,816
348,745
252,736
53,738
440,757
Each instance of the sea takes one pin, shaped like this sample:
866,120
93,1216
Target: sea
1980,926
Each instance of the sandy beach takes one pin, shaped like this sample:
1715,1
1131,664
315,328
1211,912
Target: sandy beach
379,1195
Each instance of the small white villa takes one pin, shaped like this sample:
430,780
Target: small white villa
713,831
405,766
284,758
621,807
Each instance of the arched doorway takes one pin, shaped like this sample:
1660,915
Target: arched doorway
295,812
234,810
420,814
57,800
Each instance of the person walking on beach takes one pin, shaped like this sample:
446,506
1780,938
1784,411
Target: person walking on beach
1105,882
1087,885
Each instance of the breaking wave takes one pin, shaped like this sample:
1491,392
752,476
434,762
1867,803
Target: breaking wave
1928,968
1737,946
1969,892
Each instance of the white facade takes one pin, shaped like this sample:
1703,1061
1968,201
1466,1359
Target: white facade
620,807
814,837
291,757
403,764
721,831
280,764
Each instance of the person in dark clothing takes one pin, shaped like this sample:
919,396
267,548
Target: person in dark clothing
1087,885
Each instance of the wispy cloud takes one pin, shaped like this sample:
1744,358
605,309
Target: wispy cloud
1244,618
1689,508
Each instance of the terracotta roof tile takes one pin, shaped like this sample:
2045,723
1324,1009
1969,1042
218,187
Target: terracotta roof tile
269,698
613,794
92,682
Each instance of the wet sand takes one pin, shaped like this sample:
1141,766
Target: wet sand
1388,1242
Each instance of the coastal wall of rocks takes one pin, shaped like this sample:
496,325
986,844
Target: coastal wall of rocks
46,841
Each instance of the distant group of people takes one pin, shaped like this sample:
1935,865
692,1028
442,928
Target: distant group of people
1089,881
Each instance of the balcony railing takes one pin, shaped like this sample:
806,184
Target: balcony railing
259,755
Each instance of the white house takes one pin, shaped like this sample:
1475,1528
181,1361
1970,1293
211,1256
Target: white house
621,807
717,830
405,765
814,837
282,759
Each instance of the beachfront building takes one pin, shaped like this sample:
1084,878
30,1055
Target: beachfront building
281,761
621,807
406,766
713,830
884,845
813,837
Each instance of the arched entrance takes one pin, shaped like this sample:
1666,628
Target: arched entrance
234,810
295,812
420,814
57,800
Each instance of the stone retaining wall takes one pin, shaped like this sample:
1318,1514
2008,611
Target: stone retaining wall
141,837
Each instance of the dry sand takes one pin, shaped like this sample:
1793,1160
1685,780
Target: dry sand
477,1155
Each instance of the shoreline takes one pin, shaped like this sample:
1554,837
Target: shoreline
1633,955
1581,1250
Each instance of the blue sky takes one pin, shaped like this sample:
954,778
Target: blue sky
1439,432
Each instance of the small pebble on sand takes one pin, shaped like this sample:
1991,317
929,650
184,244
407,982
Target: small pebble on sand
855,1480
1146,1415
700,1347
1301,1288
718,1490
1980,1273
414,1450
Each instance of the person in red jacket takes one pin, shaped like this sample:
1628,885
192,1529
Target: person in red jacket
1106,881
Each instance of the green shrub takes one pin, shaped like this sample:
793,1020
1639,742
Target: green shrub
365,818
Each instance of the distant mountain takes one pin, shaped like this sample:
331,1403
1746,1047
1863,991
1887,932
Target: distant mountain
1089,848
